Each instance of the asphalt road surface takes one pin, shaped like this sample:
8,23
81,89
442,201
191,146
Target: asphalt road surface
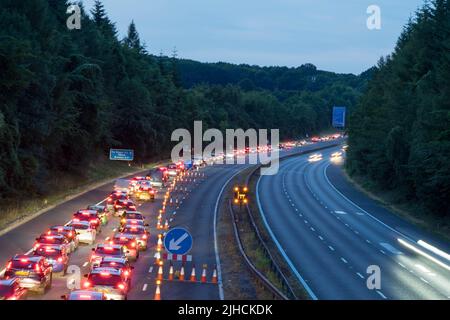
331,233
194,204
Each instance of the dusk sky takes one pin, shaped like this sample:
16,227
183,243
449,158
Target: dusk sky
330,34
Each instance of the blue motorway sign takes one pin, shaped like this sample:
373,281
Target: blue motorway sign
339,117
121,154
178,241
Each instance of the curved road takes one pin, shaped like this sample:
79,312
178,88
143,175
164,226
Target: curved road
330,234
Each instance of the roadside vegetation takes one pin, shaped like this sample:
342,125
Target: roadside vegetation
399,134
67,96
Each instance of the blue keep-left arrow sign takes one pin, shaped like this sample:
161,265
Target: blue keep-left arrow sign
178,241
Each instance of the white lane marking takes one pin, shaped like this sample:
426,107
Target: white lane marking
289,262
216,246
381,294
312,229
358,207
356,231
85,264
382,251
424,280
368,241
390,248
150,269
306,221
343,260
144,288
425,270
347,225
401,265
360,275
359,213
331,248
340,212
320,237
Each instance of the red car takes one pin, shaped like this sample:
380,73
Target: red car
10,289
52,239
90,216
121,206
119,264
116,195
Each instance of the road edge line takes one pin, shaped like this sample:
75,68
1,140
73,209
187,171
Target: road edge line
291,265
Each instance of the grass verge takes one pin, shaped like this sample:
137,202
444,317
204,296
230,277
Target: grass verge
408,211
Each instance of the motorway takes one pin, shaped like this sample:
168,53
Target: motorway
198,198
330,233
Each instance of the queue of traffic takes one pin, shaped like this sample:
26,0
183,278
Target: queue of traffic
110,263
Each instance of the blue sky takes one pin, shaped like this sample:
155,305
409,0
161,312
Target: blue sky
331,34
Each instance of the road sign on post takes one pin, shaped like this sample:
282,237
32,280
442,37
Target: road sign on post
121,154
339,117
178,241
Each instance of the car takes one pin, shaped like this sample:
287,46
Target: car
69,232
122,185
115,195
140,232
130,244
46,239
101,211
85,231
134,183
121,206
133,222
120,264
10,289
110,281
172,170
84,295
315,157
56,256
145,191
33,272
91,216
131,215
104,250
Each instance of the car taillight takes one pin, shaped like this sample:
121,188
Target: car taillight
121,286
124,220
87,284
60,259
37,268
70,234
144,236
127,273
9,265
94,221
133,244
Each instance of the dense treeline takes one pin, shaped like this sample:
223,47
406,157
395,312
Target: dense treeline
67,96
400,133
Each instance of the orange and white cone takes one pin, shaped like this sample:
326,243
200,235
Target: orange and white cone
182,274
203,278
214,276
166,225
171,273
193,278
157,292
160,273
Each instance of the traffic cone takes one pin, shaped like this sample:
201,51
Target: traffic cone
158,225
160,273
193,279
214,276
159,243
166,225
203,278
158,292
171,272
185,189
176,200
182,274
171,201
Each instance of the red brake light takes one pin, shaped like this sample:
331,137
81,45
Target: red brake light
37,268
60,259
133,244
24,260
127,273
87,284
105,274
121,286
144,236
9,265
